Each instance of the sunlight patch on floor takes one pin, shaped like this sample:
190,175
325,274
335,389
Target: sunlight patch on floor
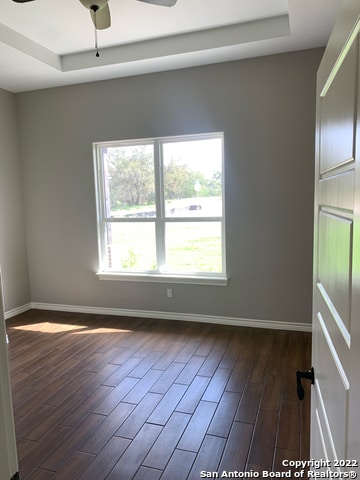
101,330
48,327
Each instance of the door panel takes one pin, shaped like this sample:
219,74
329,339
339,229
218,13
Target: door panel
338,191
334,387
337,117
337,330
336,303
320,445
335,259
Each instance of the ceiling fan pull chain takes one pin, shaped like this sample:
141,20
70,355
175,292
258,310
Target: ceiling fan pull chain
96,44
95,8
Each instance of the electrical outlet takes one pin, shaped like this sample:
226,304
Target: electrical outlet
169,292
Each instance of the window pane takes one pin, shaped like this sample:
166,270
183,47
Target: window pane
131,246
193,178
193,247
129,185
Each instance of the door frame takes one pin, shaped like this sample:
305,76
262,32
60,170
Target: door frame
8,452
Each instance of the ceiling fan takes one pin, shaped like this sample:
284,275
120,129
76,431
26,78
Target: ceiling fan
100,12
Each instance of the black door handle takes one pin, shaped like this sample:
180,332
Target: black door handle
309,375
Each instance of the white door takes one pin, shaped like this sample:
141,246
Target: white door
335,412
8,455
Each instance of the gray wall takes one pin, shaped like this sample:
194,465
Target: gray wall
266,108
13,258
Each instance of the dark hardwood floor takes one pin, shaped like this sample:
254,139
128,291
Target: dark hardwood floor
100,397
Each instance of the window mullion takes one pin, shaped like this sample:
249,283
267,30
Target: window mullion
160,204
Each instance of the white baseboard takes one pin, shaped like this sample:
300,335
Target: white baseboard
18,310
240,322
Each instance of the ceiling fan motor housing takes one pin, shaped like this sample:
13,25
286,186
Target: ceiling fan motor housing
94,5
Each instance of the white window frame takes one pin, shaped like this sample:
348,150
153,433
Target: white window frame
105,273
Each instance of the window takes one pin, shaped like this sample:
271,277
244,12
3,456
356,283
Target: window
161,210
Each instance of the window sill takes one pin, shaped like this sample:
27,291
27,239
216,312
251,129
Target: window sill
163,278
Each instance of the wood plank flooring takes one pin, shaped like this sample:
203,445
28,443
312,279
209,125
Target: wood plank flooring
100,397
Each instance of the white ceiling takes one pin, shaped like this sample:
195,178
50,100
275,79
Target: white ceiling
48,43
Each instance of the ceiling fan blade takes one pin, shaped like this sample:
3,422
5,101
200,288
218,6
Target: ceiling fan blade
22,1
162,3
101,18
